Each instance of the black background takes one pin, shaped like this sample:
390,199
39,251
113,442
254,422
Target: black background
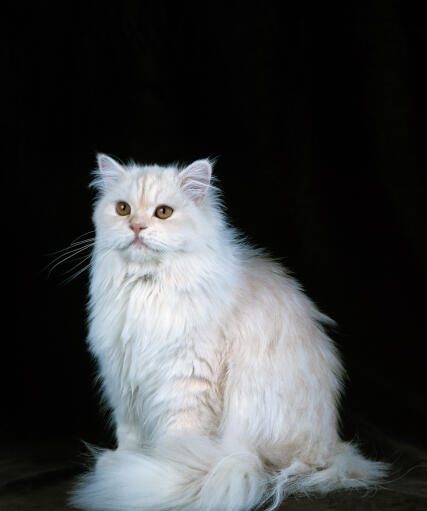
318,118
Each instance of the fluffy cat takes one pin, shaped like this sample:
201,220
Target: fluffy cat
222,382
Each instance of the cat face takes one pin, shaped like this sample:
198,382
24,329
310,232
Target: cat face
151,211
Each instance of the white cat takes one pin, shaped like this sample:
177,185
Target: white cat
222,382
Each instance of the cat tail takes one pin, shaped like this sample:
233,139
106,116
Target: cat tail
345,469
186,474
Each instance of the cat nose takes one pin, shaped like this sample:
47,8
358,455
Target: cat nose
137,228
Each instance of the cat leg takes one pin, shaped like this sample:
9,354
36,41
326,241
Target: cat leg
128,435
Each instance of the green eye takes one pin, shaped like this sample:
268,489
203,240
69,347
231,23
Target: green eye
163,212
122,208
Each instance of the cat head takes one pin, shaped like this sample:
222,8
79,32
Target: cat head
148,212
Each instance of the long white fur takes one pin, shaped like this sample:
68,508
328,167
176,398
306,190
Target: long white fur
222,382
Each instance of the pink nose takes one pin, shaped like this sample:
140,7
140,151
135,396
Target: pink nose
137,228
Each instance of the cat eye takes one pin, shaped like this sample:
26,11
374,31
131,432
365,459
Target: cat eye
122,208
163,212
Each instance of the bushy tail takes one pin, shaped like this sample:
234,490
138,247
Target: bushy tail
191,474
198,474
345,469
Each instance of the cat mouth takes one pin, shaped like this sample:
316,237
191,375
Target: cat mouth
138,243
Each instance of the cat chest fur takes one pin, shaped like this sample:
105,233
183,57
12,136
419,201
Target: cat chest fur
159,357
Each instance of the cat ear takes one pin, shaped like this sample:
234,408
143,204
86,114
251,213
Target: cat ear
195,178
108,172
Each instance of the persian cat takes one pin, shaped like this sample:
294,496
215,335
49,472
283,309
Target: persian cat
222,382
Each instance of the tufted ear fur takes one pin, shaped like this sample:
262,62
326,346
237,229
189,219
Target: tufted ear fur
109,171
195,179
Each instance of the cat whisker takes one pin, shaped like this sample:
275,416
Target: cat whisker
66,256
76,274
81,270
75,241
80,262
70,252
72,246
84,234
81,236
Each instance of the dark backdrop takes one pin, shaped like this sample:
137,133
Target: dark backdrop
318,117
